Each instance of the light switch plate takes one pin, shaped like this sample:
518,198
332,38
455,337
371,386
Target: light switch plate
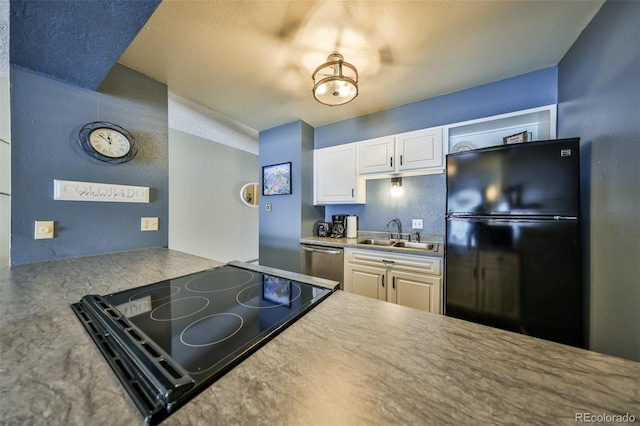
44,229
416,223
149,224
267,207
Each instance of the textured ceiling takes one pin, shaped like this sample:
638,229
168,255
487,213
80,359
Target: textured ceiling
252,60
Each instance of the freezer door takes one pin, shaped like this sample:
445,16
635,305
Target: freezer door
518,275
536,179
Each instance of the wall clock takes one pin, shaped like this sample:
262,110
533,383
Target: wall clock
107,142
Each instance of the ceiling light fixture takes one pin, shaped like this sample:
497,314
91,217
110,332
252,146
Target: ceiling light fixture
335,82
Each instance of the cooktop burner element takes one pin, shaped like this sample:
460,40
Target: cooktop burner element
170,340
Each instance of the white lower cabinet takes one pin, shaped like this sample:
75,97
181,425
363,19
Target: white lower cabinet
408,280
366,281
415,290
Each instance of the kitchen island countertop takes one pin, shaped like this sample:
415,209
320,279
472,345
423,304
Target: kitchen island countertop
351,360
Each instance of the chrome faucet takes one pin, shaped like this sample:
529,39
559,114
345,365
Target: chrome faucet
398,225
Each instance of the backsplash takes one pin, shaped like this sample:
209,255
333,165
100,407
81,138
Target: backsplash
420,197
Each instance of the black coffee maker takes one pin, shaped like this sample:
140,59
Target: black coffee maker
339,225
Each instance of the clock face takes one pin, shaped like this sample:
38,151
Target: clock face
109,142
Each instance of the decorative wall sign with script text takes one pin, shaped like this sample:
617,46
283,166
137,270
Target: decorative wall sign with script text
68,190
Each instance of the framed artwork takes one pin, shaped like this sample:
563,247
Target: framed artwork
276,179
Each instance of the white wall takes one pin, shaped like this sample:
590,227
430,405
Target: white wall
210,158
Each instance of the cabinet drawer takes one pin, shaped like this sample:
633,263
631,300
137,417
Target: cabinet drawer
421,264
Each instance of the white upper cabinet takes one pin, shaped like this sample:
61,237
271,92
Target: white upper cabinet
412,153
377,155
421,149
336,180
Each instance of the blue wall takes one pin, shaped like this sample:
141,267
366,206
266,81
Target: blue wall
424,196
77,42
421,197
525,91
290,215
46,116
599,100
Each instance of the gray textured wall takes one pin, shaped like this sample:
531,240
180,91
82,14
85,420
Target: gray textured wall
599,100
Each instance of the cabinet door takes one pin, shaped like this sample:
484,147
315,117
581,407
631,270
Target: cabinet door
415,291
421,149
366,281
336,179
376,156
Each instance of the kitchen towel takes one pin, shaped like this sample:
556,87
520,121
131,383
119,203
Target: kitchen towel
352,226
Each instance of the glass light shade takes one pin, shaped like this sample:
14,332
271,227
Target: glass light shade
335,82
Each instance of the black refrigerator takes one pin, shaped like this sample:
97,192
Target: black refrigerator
513,255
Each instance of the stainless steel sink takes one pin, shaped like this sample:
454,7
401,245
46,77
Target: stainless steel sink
400,244
376,242
411,244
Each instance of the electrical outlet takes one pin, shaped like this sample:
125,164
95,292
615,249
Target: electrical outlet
416,223
267,207
44,229
149,224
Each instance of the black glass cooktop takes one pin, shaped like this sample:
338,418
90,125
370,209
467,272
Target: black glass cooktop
169,340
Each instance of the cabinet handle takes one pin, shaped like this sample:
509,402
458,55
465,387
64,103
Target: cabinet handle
388,262
393,282
401,160
391,162
353,192
383,281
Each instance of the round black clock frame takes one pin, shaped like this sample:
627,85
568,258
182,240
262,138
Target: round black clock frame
87,129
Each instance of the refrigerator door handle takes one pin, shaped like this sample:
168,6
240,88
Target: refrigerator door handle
509,218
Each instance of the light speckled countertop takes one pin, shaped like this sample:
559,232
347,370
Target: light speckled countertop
354,243
350,361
